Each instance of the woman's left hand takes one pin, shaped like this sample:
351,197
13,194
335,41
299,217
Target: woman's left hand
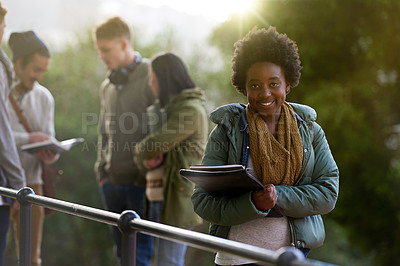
265,199
153,163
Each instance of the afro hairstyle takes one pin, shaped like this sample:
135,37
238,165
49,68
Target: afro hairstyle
265,45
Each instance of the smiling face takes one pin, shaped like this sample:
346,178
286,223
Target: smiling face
266,89
31,72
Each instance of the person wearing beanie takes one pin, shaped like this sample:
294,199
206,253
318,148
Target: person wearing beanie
28,98
26,43
11,172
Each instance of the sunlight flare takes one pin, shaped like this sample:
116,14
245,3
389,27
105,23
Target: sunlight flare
215,9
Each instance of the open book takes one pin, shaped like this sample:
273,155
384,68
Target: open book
52,145
222,179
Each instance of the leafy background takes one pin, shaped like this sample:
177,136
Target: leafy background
349,51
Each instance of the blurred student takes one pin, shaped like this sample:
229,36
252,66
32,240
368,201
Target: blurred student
11,172
178,143
124,95
32,102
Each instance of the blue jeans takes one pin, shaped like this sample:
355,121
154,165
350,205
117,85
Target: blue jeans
167,253
118,198
4,222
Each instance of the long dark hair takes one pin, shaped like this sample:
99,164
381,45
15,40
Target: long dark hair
172,76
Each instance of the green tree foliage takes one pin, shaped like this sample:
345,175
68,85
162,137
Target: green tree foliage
351,77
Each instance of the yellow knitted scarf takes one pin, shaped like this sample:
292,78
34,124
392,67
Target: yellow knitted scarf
276,161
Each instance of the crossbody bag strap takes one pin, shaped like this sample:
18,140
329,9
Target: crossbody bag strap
28,129
19,114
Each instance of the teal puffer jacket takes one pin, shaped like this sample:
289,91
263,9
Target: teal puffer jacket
314,193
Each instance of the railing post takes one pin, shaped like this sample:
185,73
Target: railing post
25,226
128,245
287,255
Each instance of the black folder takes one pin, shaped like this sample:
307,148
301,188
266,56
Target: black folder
224,180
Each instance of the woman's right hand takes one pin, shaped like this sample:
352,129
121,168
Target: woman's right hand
265,199
153,163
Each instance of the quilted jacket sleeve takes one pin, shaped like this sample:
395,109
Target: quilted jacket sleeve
317,191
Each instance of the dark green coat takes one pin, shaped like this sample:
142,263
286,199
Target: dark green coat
181,139
315,192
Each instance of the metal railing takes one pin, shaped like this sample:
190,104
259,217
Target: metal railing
130,223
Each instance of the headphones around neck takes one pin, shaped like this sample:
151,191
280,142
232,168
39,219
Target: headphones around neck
119,76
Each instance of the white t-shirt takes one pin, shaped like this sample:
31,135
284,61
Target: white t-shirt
37,106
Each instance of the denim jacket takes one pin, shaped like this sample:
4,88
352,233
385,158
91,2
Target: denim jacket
314,193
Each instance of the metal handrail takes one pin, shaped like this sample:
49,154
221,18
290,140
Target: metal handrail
130,223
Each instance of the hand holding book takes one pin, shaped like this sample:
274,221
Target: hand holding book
233,180
44,155
265,199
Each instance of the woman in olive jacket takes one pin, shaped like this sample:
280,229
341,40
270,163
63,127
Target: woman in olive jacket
282,143
178,143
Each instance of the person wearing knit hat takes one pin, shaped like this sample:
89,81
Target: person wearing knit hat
26,43
28,47
11,173
35,103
